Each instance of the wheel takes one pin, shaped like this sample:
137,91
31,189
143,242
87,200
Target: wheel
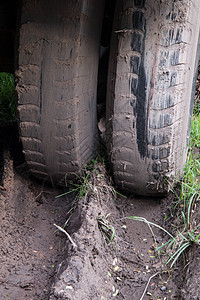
56,84
153,61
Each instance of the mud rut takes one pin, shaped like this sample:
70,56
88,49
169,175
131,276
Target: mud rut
31,251
29,248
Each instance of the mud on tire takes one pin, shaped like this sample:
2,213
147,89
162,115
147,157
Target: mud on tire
150,83
56,84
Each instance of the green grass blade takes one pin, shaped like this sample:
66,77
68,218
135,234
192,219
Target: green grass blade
113,233
189,208
162,246
66,193
141,219
178,253
184,219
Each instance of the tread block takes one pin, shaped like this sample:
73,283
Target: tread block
28,95
139,3
159,138
123,138
159,153
134,64
29,113
34,156
163,101
137,42
28,129
160,166
36,166
30,75
134,86
159,120
40,175
32,144
123,122
138,20
123,167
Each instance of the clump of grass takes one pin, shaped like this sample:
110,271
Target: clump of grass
195,133
7,99
190,182
196,110
91,181
187,229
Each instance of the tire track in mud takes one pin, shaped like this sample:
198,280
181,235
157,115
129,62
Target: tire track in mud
30,248
37,264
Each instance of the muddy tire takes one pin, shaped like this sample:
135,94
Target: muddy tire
56,84
150,84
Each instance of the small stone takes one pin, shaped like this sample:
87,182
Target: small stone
69,287
163,288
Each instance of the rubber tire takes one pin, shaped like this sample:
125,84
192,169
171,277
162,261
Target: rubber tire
150,83
57,83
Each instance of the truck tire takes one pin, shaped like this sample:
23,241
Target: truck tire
56,85
153,62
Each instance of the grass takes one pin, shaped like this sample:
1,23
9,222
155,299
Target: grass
196,110
195,132
92,182
7,99
186,231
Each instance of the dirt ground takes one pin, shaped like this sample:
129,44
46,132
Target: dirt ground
39,263
30,249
